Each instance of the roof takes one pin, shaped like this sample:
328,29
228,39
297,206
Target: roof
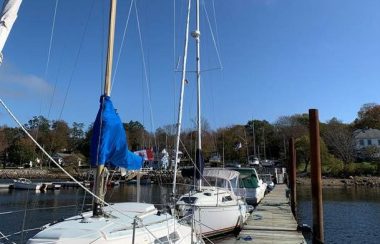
223,173
247,171
367,134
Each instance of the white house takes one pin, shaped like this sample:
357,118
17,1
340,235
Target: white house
367,137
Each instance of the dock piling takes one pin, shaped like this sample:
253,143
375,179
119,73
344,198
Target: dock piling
316,183
292,177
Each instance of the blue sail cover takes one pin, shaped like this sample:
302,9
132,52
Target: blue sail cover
109,141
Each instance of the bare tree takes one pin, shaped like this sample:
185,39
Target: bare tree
340,140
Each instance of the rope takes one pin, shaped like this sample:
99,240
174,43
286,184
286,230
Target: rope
145,75
122,44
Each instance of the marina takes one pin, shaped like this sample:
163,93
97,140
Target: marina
185,181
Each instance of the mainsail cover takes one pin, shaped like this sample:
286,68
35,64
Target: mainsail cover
109,141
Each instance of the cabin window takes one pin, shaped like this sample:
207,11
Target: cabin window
361,142
378,142
369,142
189,200
226,199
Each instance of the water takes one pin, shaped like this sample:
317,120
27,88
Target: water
351,215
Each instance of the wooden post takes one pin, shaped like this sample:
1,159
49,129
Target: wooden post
316,183
292,177
138,186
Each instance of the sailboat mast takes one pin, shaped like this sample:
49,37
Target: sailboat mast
179,123
111,37
99,181
254,138
197,34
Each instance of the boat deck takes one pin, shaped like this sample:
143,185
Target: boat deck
271,222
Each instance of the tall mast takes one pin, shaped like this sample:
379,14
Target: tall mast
254,138
99,184
197,34
179,123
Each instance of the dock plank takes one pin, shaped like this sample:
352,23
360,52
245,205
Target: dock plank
271,222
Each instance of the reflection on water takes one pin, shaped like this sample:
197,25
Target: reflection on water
351,215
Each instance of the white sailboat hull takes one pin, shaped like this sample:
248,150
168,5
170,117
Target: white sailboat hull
218,220
216,211
117,228
27,184
255,195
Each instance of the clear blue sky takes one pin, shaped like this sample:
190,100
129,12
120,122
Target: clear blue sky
279,57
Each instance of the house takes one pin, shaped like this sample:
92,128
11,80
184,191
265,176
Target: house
70,159
366,141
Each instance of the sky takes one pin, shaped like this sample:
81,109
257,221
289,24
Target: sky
276,58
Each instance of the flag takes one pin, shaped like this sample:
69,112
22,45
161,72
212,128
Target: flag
237,146
109,141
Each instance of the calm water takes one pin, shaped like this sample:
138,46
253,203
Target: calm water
350,215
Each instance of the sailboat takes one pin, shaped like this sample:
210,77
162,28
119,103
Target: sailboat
128,222
213,207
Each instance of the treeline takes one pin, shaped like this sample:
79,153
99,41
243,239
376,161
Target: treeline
232,143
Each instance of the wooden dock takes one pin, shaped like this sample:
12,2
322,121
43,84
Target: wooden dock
271,222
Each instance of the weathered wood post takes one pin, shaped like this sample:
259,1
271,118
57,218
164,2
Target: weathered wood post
292,177
316,184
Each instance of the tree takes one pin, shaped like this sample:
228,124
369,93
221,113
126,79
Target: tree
77,135
293,126
368,117
59,136
339,140
136,135
22,151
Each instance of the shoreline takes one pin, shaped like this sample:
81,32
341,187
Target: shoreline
365,181
50,174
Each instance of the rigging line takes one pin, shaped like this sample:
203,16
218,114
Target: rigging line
24,218
192,161
76,59
54,89
121,45
145,75
19,232
51,38
34,209
213,37
57,164
215,23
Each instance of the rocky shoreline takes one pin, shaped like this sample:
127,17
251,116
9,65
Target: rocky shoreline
47,174
368,181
